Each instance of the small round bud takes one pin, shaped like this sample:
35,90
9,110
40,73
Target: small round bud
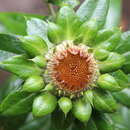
40,61
88,96
48,87
101,54
34,45
44,104
33,84
108,82
65,104
82,110
104,101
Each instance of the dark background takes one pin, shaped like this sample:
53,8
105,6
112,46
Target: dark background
40,7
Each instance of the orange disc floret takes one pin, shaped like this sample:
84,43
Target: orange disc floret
72,68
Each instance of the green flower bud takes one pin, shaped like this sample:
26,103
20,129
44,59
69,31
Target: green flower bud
108,82
65,104
104,101
44,104
101,54
55,33
40,61
34,45
20,66
82,110
88,96
105,34
121,78
49,87
33,84
113,62
111,43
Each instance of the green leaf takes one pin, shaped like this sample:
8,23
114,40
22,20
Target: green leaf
100,12
103,122
124,45
20,66
10,43
121,78
104,102
16,103
106,34
12,84
15,22
38,27
112,42
114,62
69,22
88,32
36,124
86,9
114,14
124,48
90,125
55,33
126,66
123,97
121,118
59,121
12,123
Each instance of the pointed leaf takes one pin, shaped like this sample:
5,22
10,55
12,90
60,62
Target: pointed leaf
104,101
8,19
114,14
69,22
103,122
10,43
16,103
114,62
86,9
123,97
121,78
38,27
124,45
100,12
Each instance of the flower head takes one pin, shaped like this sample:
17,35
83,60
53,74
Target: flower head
72,68
73,60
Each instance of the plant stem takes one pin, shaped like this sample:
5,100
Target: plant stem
51,9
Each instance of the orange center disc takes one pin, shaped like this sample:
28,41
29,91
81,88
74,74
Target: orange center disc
72,70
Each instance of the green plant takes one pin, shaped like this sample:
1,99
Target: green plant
69,68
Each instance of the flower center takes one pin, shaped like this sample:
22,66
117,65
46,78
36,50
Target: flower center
72,68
